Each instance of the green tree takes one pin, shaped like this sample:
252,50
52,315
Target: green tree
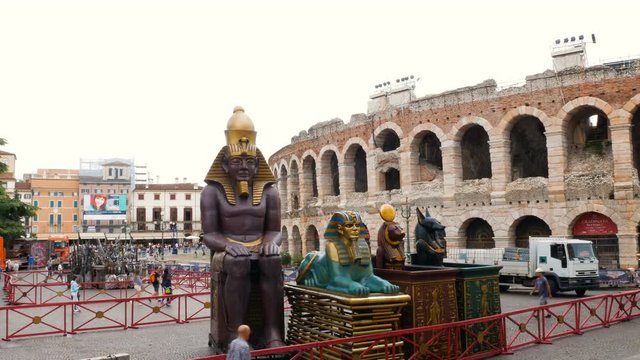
12,211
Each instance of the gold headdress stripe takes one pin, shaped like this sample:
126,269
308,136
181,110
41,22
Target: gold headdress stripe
263,177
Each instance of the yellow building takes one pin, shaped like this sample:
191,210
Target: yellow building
55,194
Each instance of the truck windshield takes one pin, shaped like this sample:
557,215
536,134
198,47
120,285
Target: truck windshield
580,251
59,244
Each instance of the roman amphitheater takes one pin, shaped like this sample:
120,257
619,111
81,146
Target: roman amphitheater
557,156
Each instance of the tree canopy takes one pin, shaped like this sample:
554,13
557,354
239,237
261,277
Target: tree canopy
12,210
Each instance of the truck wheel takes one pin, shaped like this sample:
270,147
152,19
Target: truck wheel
554,286
504,288
581,292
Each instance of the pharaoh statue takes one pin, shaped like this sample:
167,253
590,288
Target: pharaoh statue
431,247
240,209
345,265
389,254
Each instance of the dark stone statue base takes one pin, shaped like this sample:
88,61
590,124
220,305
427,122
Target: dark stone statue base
433,301
221,333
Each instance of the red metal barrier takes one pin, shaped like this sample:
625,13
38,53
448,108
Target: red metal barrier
156,310
202,303
58,318
34,320
99,315
516,329
51,292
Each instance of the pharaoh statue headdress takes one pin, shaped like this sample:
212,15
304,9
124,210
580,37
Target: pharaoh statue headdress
241,140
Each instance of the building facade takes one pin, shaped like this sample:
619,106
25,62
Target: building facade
557,156
8,178
155,206
55,194
107,177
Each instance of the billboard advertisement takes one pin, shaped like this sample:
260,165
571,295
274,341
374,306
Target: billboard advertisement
105,207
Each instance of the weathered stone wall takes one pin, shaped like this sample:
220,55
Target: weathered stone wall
578,181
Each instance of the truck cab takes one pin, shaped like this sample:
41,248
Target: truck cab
60,247
569,264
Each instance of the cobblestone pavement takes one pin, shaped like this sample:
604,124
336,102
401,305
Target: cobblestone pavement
186,341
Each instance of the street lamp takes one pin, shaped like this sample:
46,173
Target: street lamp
161,221
405,211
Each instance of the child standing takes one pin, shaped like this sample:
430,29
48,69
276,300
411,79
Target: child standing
74,288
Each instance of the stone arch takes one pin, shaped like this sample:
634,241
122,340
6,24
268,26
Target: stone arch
586,122
282,186
355,167
274,171
294,160
462,126
376,140
293,185
525,226
425,149
513,116
387,136
309,188
570,108
565,225
632,105
329,171
312,239
633,108
475,153
528,147
284,245
296,242
478,233
602,231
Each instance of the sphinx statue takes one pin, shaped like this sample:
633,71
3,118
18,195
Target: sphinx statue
345,265
389,254
240,209
431,247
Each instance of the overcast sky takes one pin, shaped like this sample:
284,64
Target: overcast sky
157,80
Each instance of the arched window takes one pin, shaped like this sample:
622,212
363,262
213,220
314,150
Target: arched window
528,149
479,234
392,179
356,168
476,158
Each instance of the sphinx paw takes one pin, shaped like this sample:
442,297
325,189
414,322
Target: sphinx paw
391,289
358,290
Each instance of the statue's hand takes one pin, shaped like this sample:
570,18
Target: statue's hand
236,250
270,249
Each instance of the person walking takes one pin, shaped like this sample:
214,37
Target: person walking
49,269
167,290
31,261
74,289
153,280
541,285
239,347
59,274
137,284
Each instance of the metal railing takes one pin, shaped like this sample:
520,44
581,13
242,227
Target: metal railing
477,338
23,321
32,287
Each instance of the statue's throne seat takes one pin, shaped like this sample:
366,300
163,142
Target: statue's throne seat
221,333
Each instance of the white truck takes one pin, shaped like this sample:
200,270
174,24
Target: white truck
568,264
